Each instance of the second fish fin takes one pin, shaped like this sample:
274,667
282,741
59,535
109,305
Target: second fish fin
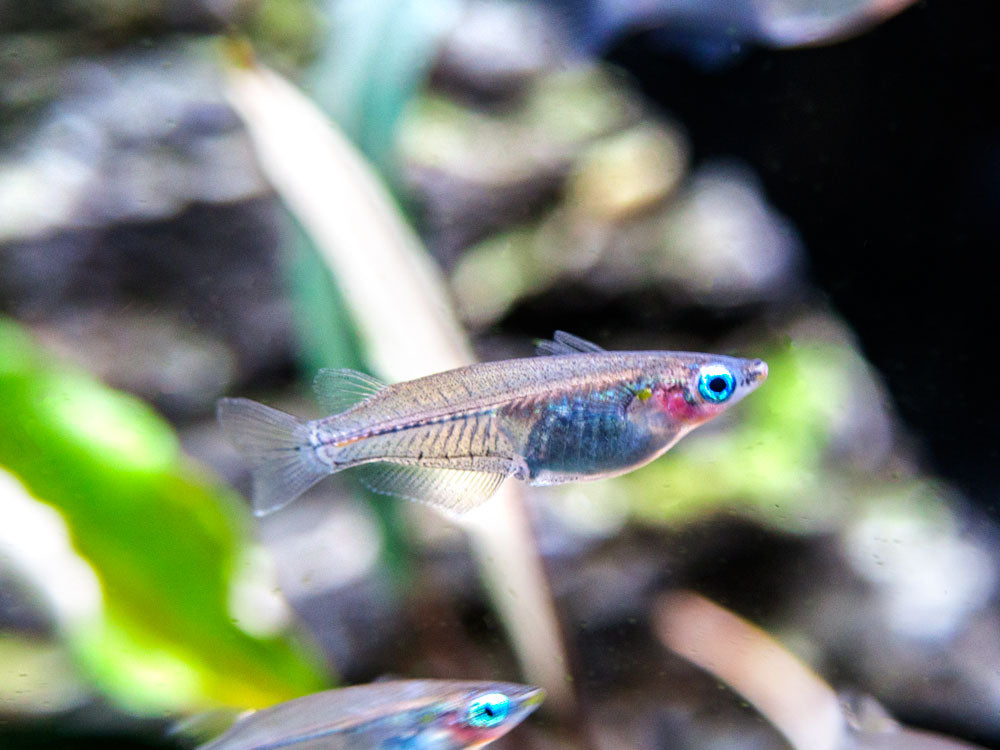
566,343
452,490
339,390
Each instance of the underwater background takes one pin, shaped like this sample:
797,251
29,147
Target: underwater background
207,198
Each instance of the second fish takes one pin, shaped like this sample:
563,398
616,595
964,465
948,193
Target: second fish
451,438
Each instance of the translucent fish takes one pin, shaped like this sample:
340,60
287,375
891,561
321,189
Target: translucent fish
450,439
399,715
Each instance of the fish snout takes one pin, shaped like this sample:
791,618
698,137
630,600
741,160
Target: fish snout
525,702
533,698
757,372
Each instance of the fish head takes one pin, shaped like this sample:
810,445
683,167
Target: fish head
475,714
685,390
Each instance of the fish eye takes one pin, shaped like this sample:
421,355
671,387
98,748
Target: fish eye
716,383
487,710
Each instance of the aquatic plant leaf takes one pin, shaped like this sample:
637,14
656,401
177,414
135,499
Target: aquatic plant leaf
163,537
326,332
374,59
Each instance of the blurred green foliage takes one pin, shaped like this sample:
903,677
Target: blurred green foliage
163,537
374,60
286,32
323,323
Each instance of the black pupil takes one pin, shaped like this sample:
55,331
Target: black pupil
717,385
488,710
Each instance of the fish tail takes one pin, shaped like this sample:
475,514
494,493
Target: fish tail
282,460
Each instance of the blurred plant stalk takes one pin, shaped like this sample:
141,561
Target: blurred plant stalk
800,705
408,329
789,695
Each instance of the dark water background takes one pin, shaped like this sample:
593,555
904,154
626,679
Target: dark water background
884,150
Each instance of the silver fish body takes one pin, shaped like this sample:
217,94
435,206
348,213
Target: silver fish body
451,438
397,715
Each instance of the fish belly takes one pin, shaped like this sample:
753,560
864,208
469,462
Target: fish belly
571,441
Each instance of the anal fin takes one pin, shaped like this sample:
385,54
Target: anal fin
453,490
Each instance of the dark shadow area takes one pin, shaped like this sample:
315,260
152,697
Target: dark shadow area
884,151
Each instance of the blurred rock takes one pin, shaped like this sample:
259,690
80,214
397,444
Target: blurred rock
497,47
474,169
724,244
138,135
470,176
717,244
137,234
171,363
327,549
925,631
569,178
175,310
123,16
38,678
627,173
930,577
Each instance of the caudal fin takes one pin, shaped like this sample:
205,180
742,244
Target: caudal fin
282,461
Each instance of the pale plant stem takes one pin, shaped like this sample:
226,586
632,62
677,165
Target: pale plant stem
400,305
789,694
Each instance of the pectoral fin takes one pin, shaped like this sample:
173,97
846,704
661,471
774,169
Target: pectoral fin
452,490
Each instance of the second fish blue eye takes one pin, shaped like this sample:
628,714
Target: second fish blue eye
487,710
716,383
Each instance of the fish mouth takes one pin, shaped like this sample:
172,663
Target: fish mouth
757,371
533,698
526,701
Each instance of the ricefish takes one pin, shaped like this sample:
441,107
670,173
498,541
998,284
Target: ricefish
450,439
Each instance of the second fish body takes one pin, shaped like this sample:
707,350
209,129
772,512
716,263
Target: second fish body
451,438
396,715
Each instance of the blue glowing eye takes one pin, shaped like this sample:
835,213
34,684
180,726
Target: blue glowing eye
487,710
716,383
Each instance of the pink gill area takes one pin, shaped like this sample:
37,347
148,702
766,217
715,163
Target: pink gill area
678,408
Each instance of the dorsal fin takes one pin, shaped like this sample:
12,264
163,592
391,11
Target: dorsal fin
566,343
339,390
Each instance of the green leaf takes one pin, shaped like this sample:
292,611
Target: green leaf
164,538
